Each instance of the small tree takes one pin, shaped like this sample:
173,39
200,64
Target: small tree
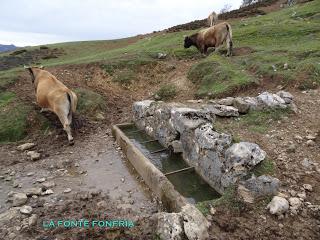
226,8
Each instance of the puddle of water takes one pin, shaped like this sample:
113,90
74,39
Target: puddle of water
188,183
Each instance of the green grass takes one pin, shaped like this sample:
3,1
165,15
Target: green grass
228,200
13,117
280,38
266,167
167,92
8,77
113,50
216,75
261,121
6,98
89,102
181,53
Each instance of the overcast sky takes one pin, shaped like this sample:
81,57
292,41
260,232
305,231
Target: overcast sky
35,22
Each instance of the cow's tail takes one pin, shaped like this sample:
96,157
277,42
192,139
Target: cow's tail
72,98
229,39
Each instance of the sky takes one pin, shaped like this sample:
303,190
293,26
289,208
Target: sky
36,22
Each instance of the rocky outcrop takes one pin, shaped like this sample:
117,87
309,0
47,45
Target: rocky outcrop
257,187
19,199
278,205
189,223
170,226
194,223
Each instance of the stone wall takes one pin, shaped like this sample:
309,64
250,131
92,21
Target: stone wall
190,130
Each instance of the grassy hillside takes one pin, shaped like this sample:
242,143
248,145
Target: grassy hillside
284,49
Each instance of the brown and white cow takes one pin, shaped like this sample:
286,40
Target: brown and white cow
212,19
211,37
54,96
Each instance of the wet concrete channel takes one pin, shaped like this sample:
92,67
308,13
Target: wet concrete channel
184,178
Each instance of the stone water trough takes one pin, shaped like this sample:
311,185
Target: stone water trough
188,129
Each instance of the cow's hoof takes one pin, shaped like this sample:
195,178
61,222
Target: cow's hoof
71,142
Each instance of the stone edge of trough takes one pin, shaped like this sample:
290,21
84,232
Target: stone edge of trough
153,177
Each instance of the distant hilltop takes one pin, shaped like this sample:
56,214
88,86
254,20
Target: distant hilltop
5,48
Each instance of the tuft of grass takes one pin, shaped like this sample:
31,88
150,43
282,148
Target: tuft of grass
309,71
260,121
125,77
133,63
228,199
13,115
266,167
89,102
167,92
236,138
181,53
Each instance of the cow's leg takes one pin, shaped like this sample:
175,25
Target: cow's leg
205,50
202,50
229,46
62,114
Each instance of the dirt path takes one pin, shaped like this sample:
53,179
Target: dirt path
93,165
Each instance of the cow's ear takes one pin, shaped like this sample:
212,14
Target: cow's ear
26,67
41,67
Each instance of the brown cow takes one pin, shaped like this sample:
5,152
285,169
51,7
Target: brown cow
211,37
212,19
54,96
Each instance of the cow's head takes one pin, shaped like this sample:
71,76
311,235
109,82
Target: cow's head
30,70
188,42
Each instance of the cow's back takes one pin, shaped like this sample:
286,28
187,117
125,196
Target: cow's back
50,90
219,32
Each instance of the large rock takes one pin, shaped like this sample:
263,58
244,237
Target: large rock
49,184
33,191
278,205
207,138
8,215
177,146
34,156
26,210
32,221
228,101
195,224
223,110
170,226
26,146
269,100
19,199
257,187
295,203
245,104
286,96
243,154
140,108
186,119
